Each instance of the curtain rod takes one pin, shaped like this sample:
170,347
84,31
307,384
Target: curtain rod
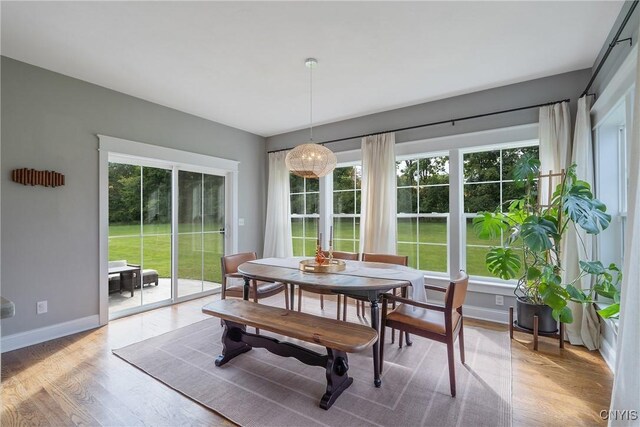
452,121
615,41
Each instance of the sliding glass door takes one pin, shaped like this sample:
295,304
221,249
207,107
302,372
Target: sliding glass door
201,231
141,235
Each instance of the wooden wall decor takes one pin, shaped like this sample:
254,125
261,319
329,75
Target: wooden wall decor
32,177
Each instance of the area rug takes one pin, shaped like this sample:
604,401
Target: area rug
261,389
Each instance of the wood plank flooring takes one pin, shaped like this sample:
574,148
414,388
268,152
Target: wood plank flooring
76,380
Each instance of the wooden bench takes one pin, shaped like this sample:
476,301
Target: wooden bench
338,337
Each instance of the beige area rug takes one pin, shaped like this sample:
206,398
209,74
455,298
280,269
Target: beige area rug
261,389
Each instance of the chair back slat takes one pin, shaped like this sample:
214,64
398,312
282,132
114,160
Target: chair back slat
457,292
230,263
386,258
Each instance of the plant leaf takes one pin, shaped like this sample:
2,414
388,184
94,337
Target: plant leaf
592,267
577,294
584,210
489,225
533,273
537,232
564,315
526,168
612,311
503,263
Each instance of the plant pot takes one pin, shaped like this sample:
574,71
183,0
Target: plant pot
525,312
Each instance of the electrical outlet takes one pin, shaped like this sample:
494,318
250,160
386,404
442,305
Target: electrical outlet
499,300
41,307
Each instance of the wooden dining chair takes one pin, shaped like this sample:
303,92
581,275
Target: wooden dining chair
337,255
233,282
385,259
437,322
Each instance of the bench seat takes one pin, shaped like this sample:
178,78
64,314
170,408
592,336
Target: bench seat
338,337
336,334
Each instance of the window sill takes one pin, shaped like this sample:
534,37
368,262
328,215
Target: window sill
476,284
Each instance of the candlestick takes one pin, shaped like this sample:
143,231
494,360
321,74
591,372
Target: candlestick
331,235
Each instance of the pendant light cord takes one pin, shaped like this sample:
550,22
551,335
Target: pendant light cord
311,103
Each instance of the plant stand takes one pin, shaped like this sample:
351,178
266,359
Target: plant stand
513,326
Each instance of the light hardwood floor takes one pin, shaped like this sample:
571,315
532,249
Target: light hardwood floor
77,381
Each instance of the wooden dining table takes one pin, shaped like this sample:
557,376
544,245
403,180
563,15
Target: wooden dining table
358,281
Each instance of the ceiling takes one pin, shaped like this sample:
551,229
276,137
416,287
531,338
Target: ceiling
242,63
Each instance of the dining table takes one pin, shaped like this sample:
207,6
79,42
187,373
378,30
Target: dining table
359,280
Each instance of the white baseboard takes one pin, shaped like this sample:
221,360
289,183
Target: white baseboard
608,353
36,336
489,314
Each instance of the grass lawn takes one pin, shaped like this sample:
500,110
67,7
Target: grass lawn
195,250
427,249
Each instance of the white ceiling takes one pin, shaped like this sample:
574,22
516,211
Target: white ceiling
242,63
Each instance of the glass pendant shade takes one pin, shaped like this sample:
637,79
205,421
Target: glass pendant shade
310,160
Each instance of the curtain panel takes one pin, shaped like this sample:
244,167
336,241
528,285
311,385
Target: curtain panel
378,204
578,245
626,385
277,235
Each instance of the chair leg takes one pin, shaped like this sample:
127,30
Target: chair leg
452,368
461,341
357,308
382,329
299,298
344,307
321,302
286,297
338,308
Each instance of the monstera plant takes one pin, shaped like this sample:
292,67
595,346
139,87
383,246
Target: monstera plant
532,249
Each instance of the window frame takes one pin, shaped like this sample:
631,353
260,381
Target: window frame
356,215
418,215
304,216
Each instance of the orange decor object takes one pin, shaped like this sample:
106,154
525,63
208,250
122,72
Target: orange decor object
320,258
32,177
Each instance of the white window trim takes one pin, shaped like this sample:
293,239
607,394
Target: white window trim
126,151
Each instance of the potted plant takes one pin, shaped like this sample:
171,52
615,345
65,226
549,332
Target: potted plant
532,250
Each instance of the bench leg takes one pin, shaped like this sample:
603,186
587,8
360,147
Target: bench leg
231,344
337,378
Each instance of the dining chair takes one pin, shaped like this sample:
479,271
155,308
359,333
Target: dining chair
233,282
385,259
441,323
337,255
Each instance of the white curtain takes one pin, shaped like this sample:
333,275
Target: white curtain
277,235
555,141
626,385
578,245
378,205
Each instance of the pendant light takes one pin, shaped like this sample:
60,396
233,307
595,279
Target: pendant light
311,160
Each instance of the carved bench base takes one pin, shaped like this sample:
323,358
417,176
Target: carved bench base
236,340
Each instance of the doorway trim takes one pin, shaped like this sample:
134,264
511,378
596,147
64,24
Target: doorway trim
153,154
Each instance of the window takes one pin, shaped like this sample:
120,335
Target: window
346,208
304,214
623,185
423,211
487,186
611,181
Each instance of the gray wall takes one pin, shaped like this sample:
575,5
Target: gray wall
567,85
558,87
618,53
50,236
